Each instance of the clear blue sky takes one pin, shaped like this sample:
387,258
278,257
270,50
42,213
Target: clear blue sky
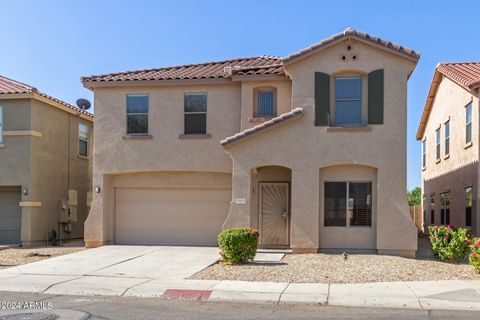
50,44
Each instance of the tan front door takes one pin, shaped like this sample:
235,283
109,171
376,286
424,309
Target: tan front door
274,214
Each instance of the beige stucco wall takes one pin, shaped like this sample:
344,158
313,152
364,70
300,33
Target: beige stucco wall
304,148
37,160
165,151
459,170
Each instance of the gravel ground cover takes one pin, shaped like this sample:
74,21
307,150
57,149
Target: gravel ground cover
17,256
334,268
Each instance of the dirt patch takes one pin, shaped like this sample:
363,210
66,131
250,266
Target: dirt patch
334,268
17,256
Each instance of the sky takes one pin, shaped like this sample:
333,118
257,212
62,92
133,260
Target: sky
51,44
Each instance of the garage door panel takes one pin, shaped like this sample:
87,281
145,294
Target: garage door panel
170,216
10,217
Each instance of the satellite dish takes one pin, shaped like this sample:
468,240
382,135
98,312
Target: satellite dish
83,104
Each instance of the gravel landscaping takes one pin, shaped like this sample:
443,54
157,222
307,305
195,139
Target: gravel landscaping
17,256
333,268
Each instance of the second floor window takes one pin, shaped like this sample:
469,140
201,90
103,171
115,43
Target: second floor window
468,123
266,103
195,109
348,101
437,141
424,153
137,114
83,140
447,137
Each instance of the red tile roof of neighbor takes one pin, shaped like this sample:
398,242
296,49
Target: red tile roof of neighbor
261,65
295,113
10,86
465,74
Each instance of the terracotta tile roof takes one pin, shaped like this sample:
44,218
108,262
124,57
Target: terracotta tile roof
10,86
350,32
207,70
295,113
465,73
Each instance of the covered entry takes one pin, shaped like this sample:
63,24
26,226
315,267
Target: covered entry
10,215
272,205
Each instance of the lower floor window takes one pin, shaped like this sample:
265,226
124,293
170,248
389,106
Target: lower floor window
348,204
468,206
445,209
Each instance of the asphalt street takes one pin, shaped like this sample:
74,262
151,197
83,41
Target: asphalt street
119,308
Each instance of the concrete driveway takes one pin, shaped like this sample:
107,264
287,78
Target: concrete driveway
113,270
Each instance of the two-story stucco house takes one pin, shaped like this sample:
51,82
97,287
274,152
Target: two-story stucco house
310,149
45,165
449,134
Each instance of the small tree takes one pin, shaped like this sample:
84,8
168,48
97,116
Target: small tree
414,196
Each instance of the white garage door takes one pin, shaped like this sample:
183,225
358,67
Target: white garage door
170,216
10,216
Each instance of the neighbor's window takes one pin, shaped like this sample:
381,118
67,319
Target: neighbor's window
468,206
447,137
83,140
424,153
137,114
195,108
266,101
468,123
348,101
1,125
437,133
432,209
445,208
424,204
348,204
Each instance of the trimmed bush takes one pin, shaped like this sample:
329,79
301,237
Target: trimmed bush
474,256
238,245
449,243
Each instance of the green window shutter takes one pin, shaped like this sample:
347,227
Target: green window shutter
375,97
322,99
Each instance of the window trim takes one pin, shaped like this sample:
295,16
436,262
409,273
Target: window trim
80,124
438,142
142,113
347,223
363,102
447,139
256,92
184,134
467,107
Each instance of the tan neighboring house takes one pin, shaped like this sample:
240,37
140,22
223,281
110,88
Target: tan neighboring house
45,165
310,149
450,146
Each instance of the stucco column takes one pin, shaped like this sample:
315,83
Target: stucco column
239,212
304,212
96,225
396,232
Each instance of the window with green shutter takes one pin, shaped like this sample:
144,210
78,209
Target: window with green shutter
322,99
375,97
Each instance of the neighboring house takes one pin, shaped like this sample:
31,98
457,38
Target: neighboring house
450,146
310,149
45,158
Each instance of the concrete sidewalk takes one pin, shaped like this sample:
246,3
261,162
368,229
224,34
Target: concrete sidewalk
164,272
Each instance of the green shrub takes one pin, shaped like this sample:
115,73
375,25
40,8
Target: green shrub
449,243
238,245
474,256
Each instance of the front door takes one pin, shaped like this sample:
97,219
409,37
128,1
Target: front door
274,214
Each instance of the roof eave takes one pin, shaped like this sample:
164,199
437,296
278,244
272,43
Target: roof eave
145,83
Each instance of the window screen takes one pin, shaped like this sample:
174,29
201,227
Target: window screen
195,109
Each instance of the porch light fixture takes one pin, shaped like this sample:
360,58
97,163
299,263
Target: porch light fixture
97,189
